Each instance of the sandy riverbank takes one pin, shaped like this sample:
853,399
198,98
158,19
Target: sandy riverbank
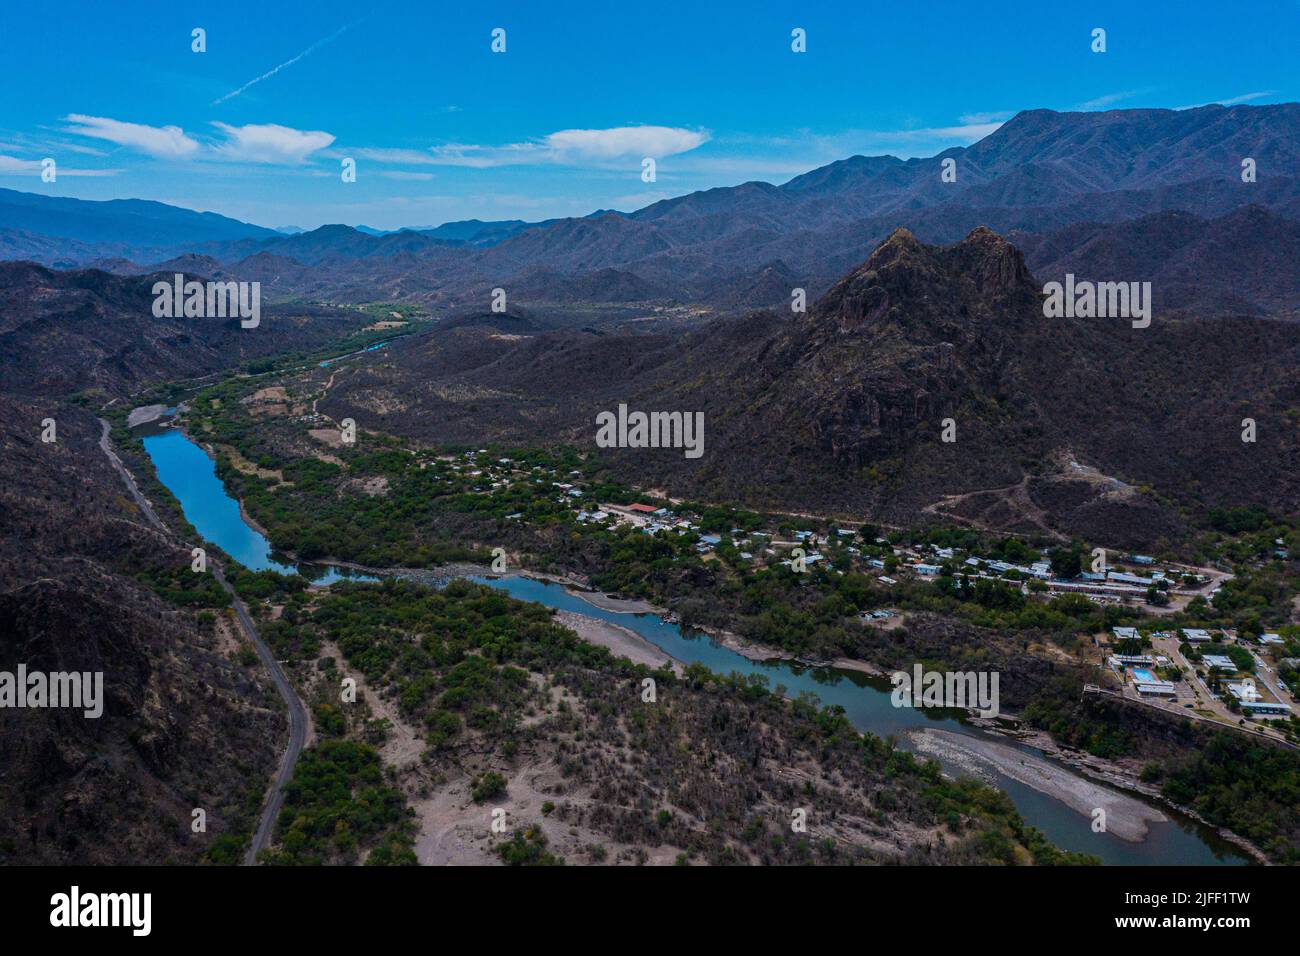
862,667
728,639
1126,817
595,598
145,414
1122,775
623,641
438,575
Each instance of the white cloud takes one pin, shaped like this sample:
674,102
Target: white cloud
270,143
419,157
483,157
12,166
625,141
47,146
1246,97
75,148
970,132
633,201
1231,101
568,147
1108,99
990,116
805,149
163,142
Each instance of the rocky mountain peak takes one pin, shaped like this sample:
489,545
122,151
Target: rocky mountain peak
908,279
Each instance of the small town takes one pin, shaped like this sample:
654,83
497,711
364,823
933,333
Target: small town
1213,674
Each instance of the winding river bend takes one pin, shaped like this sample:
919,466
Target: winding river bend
190,474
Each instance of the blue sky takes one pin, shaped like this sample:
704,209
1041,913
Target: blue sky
441,128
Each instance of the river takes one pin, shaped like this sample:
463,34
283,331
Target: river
190,474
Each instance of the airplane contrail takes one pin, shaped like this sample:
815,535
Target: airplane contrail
271,72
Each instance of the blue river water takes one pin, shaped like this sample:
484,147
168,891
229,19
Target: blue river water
190,475
867,705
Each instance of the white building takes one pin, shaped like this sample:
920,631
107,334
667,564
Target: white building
1123,577
1156,688
1219,662
1244,691
1118,660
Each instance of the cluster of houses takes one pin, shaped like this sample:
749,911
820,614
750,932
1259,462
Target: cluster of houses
1111,586
1141,670
485,474
654,520
924,561
1199,635
1244,690
1118,585
1039,570
649,518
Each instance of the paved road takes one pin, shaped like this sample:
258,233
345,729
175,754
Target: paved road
297,724
297,712
145,508
1266,676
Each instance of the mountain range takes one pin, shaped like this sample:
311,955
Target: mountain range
928,308
65,332
1062,426
1067,187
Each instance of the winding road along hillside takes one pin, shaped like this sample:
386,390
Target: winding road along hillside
297,712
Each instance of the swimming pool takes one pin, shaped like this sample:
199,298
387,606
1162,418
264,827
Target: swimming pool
1143,676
